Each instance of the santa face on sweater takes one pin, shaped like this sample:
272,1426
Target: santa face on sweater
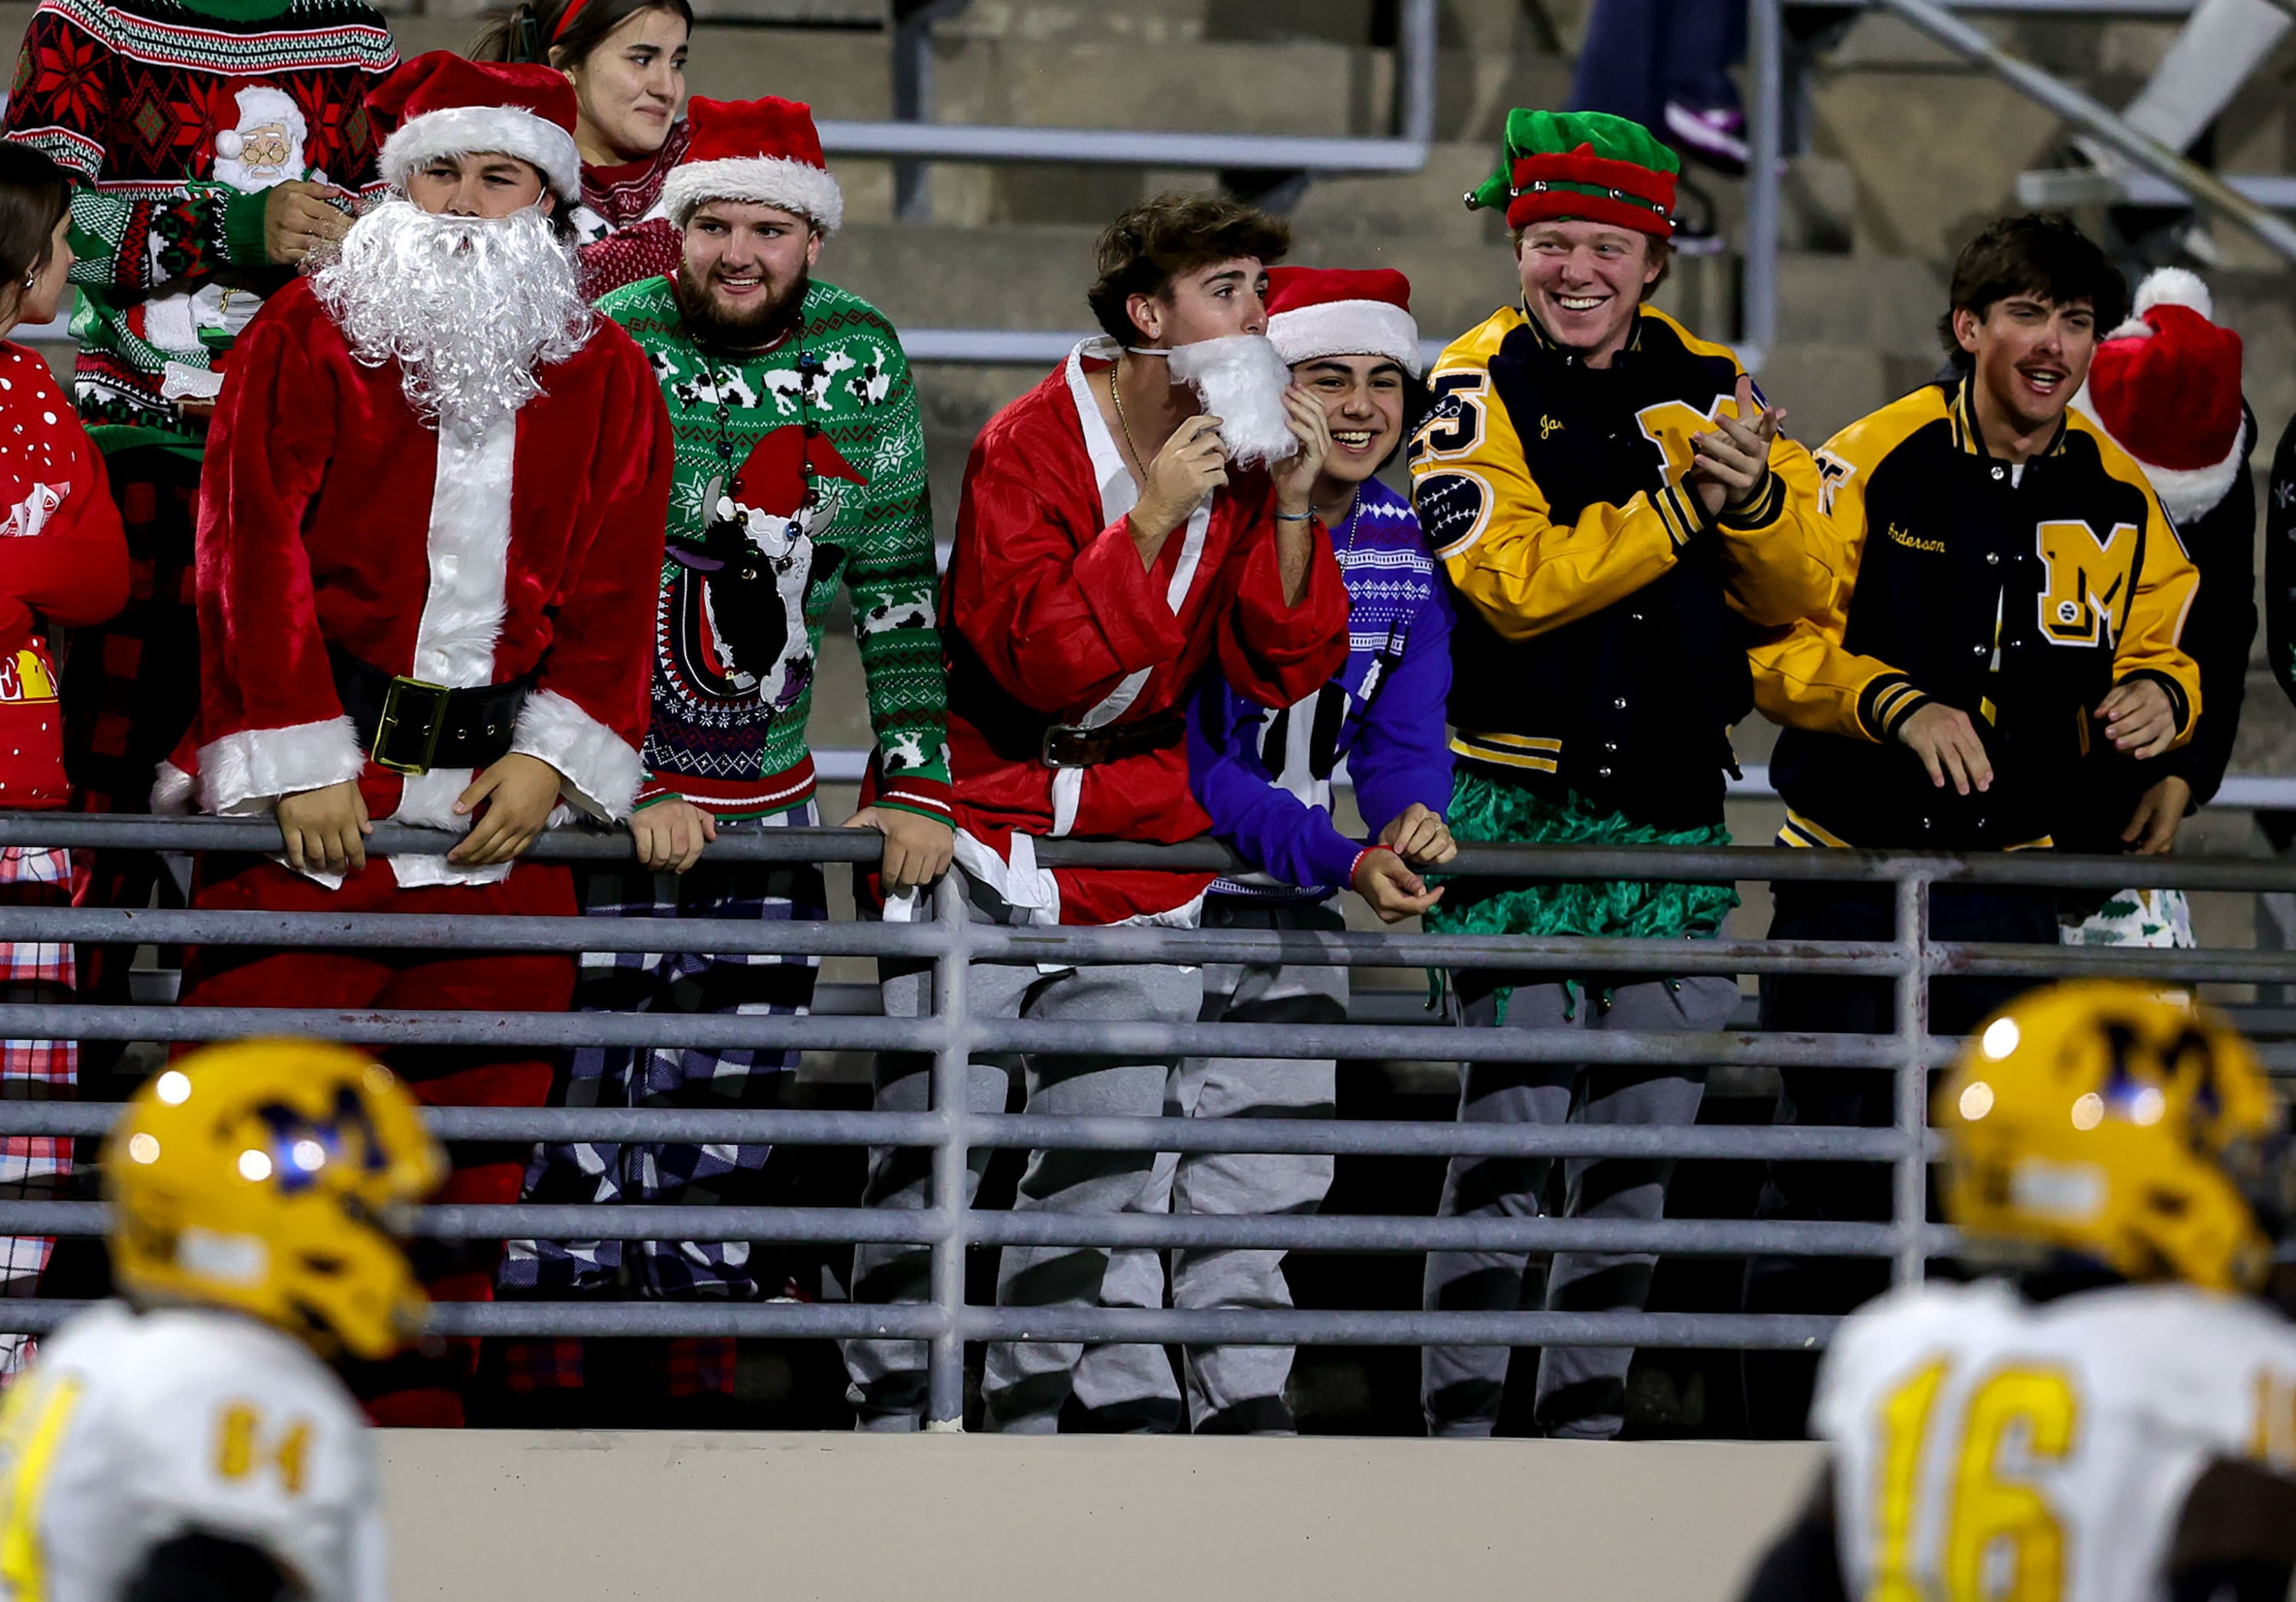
266,147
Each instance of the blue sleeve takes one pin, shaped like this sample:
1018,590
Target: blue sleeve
1402,754
1266,824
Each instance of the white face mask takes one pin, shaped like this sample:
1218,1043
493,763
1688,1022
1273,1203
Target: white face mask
1241,381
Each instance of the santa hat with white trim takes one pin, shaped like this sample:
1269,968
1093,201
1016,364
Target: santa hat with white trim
765,151
1334,311
2165,386
446,106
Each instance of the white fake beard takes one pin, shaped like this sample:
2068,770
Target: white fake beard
470,307
1241,381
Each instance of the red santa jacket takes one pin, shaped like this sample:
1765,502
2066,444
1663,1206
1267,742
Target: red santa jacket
331,515
64,559
1049,618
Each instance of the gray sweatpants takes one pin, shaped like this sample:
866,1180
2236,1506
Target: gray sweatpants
1581,1391
1230,1389
1024,1384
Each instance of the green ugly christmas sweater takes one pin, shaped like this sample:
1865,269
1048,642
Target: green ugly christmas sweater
797,468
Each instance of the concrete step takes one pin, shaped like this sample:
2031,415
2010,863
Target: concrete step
1888,304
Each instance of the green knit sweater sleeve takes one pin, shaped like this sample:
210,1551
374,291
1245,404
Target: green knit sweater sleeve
889,574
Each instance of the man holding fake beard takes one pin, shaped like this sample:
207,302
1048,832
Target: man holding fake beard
1145,509
799,463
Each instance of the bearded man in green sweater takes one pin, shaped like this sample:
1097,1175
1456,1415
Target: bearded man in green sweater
800,462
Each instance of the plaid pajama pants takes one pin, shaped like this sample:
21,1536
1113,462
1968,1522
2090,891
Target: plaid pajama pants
135,687
599,1172
33,1165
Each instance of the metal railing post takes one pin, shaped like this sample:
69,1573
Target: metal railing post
1416,40
913,77
1909,1210
951,1101
1758,317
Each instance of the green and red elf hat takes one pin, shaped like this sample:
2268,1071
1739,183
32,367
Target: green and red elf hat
1589,165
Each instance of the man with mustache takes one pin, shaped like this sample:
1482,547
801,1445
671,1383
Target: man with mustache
801,465
1616,511
2009,618
1145,509
429,538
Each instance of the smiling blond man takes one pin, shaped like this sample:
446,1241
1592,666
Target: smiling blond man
1616,512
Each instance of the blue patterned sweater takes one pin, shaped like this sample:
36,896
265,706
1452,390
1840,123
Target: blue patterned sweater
1265,776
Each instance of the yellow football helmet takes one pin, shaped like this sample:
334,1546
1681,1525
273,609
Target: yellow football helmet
2105,1119
269,1176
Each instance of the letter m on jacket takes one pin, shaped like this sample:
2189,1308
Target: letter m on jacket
2090,583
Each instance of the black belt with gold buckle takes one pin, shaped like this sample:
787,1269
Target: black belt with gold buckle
411,727
1077,745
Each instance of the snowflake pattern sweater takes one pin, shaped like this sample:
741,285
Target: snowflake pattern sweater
795,467
179,118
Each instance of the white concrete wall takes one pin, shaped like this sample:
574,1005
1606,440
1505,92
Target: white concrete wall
573,1517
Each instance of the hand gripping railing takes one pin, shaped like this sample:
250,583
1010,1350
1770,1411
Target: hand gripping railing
952,943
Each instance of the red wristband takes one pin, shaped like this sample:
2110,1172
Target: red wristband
1367,852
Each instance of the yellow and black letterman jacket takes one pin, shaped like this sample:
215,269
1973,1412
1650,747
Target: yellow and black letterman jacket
1603,619
2019,598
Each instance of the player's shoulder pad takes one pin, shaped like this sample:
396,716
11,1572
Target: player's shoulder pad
1888,1333
237,1428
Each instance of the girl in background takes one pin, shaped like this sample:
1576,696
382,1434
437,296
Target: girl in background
63,562
626,62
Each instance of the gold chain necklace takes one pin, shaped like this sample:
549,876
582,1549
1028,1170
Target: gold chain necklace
1117,396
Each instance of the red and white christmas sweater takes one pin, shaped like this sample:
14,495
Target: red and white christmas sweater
622,238
1050,617
63,560
331,515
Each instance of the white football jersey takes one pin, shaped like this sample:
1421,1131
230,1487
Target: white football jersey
1988,1449
134,1428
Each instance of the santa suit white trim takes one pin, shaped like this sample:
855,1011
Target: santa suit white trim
468,545
601,774
247,773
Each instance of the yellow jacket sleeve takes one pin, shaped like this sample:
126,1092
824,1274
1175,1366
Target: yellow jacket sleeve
1523,570
1803,677
2150,642
1781,556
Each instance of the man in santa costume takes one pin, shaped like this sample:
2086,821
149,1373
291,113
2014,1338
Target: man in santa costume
1146,510
429,545
2165,386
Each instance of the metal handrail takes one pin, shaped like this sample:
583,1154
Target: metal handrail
1406,151
952,943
